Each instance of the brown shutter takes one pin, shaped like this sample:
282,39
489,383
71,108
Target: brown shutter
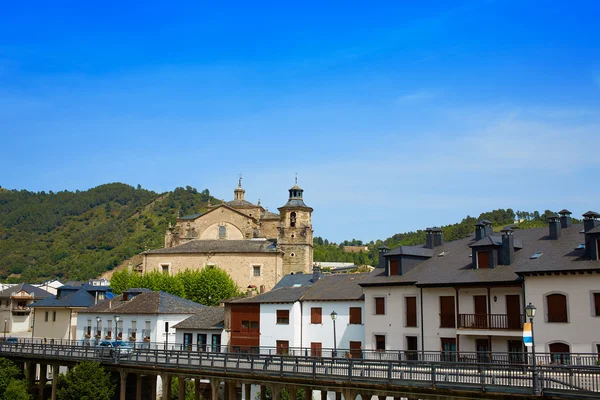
316,315
597,304
447,319
379,305
355,315
483,259
557,308
394,267
411,311
315,349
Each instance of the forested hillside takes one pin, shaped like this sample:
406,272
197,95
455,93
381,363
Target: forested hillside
326,251
78,235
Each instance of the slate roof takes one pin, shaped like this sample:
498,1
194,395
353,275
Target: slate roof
37,292
455,266
595,230
336,287
78,299
419,251
240,203
281,295
295,280
147,302
206,318
220,246
191,217
269,215
295,203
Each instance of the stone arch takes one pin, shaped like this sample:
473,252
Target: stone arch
212,231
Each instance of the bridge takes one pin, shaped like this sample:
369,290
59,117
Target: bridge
441,377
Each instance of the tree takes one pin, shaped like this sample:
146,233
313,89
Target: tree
17,390
87,381
9,373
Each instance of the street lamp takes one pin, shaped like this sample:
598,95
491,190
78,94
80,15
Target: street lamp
117,319
530,312
5,322
98,333
333,318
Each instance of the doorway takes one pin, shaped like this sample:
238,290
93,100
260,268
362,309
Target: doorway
480,311
513,311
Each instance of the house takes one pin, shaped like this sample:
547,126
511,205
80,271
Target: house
202,331
56,316
15,306
469,295
139,316
50,286
297,316
254,246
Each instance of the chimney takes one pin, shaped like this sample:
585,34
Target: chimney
554,226
489,228
565,218
508,246
590,220
479,231
434,238
316,273
383,249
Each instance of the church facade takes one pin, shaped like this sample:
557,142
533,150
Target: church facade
256,247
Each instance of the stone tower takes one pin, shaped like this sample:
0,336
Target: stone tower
295,233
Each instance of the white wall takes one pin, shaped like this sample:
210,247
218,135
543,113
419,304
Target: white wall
270,331
50,329
581,332
208,332
323,333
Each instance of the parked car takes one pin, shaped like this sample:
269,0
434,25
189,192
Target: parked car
9,340
109,348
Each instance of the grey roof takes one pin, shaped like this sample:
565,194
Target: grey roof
455,266
419,251
591,214
206,318
281,295
295,203
240,203
594,230
220,246
147,302
78,299
35,291
191,217
565,211
269,215
294,280
491,240
336,287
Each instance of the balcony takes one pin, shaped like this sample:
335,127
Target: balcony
20,310
491,321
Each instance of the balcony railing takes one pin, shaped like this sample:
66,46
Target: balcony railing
447,321
491,321
20,310
558,318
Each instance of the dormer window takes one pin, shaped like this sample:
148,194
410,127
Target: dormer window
292,219
394,269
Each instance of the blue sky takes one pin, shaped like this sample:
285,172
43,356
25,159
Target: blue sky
395,115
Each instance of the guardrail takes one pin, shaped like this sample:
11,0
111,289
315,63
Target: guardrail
559,380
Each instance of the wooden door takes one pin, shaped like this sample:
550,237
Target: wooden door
356,350
412,348
480,311
316,349
447,319
448,349
515,352
483,350
513,311
483,259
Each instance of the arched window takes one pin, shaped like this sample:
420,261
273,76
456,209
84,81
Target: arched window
292,219
557,307
560,352
222,232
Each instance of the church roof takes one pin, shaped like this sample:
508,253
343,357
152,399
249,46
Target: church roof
241,203
269,215
220,246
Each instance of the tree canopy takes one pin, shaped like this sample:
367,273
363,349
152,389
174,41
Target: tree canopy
208,286
86,381
12,385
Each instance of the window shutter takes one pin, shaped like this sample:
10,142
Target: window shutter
379,305
355,315
316,315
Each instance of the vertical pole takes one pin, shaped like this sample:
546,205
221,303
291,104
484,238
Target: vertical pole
214,388
181,391
123,384
153,387
42,385
247,391
334,341
263,392
534,372
138,387
196,388
54,380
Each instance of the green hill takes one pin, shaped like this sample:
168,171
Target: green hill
79,235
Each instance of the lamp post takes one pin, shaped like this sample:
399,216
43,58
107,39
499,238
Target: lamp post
5,322
117,319
98,334
333,318
530,312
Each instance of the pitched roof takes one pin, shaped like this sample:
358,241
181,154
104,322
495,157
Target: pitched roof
452,262
35,291
206,318
78,299
294,280
191,217
147,302
419,251
238,203
220,246
281,295
336,287
269,215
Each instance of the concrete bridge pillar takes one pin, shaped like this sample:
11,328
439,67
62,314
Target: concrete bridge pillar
197,391
181,388
153,393
230,390
166,386
214,388
323,394
123,384
275,392
263,392
55,368
138,387
247,391
308,393
349,394
30,368
42,384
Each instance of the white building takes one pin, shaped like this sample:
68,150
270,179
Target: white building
16,314
203,331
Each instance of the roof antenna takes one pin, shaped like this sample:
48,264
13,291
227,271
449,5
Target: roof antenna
296,178
240,181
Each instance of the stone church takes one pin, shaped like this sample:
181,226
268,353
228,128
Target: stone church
256,247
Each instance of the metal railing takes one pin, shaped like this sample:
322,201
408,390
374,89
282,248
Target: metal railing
447,321
554,379
491,321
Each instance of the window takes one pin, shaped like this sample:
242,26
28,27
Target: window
355,350
394,267
283,317
557,307
133,329
249,326
100,295
292,219
411,311
46,317
560,353
109,329
380,342
596,304
256,270
283,347
164,268
447,319
167,328
412,348
355,316
316,349
222,232
316,315
483,259
379,305
53,316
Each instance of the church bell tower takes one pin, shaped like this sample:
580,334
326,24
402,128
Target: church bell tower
295,233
